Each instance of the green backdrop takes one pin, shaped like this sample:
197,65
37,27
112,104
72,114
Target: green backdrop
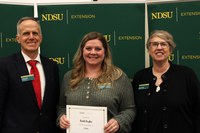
63,27
122,24
182,20
9,15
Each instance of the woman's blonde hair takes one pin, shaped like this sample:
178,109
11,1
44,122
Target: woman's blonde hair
109,71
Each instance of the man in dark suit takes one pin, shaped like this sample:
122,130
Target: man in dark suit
19,110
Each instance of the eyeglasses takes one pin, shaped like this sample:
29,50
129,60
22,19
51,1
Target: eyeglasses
155,44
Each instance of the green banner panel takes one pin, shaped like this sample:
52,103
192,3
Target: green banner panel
122,24
9,15
182,20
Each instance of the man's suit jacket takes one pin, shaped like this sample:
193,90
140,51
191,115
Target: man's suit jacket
19,112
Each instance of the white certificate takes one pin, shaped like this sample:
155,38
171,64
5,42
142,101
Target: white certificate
86,119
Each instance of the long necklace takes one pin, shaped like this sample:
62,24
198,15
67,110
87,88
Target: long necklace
158,86
159,80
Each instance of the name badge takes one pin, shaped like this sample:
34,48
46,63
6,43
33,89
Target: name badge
104,86
143,87
27,78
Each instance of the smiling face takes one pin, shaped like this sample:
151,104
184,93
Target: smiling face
29,37
93,53
159,49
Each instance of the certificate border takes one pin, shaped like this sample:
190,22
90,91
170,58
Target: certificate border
97,108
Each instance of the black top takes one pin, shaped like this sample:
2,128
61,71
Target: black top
173,109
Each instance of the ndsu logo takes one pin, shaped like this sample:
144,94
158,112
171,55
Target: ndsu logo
161,15
58,60
171,57
107,37
52,17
